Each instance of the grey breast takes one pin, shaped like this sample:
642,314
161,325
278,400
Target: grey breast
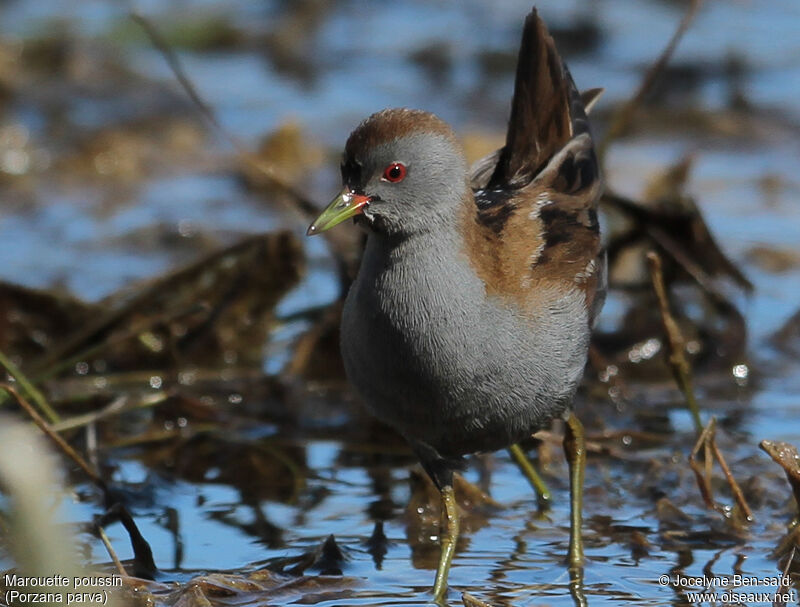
433,356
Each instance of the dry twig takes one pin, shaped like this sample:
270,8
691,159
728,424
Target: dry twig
784,588
115,407
63,445
623,117
708,442
143,555
29,389
301,203
111,552
682,372
681,369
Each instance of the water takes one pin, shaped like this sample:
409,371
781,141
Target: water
173,191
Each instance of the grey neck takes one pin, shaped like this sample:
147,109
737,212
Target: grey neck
433,260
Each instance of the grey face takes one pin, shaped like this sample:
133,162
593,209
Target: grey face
414,182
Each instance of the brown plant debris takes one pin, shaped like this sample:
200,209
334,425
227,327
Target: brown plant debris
210,312
787,457
681,369
707,441
144,565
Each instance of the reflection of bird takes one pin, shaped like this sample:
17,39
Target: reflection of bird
468,324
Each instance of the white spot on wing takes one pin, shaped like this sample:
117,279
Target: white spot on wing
542,200
590,269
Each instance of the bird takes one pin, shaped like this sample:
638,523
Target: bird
467,326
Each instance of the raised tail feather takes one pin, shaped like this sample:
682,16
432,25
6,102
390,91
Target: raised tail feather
546,112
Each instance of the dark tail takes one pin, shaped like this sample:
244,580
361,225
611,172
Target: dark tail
546,111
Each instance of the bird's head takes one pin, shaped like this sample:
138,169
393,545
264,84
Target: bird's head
403,172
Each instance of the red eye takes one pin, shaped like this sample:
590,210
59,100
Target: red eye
395,172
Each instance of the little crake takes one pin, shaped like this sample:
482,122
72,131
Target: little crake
468,324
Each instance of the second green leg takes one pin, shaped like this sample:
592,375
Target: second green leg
447,541
528,469
575,450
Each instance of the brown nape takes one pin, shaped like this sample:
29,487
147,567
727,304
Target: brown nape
389,125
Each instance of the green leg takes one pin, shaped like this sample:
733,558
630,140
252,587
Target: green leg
575,450
536,481
449,536
576,587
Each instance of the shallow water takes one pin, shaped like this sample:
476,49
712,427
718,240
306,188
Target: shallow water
171,191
